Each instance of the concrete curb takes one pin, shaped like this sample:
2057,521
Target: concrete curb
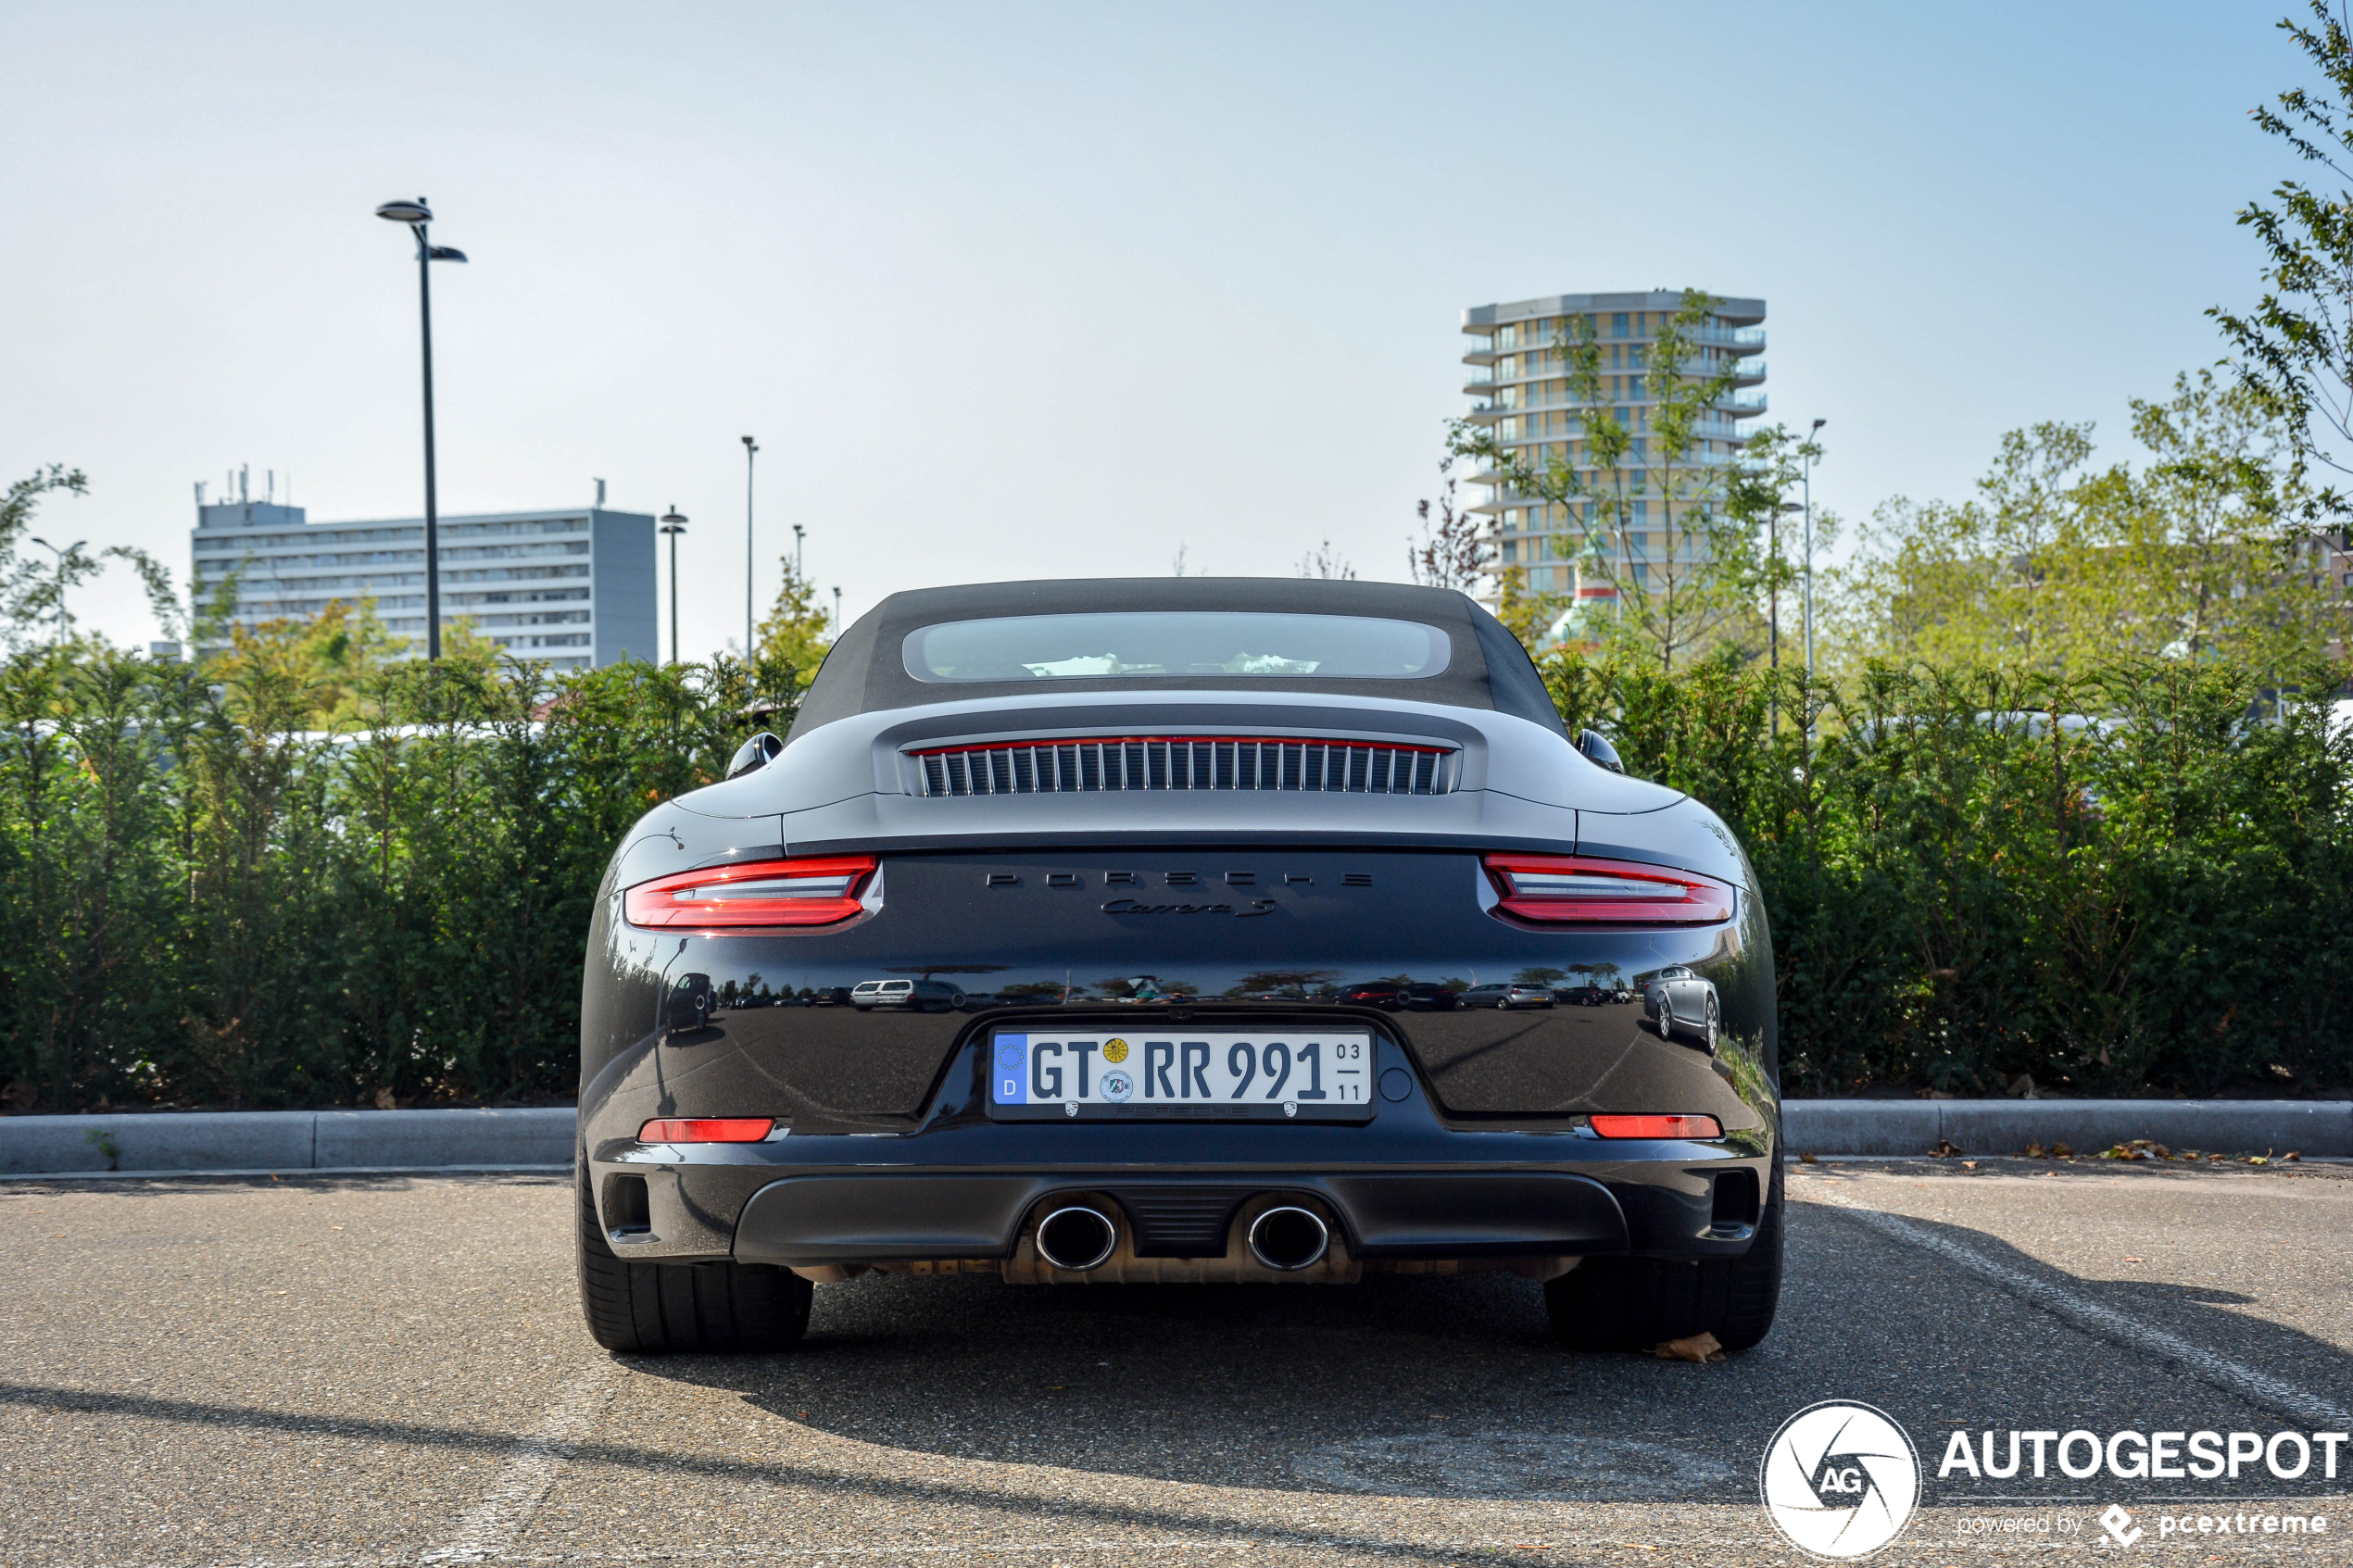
261,1142
2008,1126
265,1141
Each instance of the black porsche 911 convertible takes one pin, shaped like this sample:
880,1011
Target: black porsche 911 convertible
1064,938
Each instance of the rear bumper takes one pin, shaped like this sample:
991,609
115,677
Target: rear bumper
1404,1185
817,1220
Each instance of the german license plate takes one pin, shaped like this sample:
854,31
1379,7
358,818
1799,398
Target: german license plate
1270,1075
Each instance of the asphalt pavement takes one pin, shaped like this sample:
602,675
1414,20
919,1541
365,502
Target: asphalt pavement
392,1370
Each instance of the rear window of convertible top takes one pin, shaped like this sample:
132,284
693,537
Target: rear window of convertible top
1175,645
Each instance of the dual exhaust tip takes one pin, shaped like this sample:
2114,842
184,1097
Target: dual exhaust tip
1285,1238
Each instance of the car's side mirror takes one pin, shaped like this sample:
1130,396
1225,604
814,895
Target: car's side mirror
1600,751
754,755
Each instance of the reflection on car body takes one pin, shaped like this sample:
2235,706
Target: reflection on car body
1507,994
1682,1004
924,996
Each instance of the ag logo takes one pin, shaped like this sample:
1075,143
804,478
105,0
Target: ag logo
1839,1480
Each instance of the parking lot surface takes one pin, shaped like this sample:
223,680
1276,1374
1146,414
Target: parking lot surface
384,1371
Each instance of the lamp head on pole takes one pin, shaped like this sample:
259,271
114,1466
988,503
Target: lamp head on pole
673,521
1817,425
444,253
406,211
750,445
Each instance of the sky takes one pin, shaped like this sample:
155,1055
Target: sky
1016,290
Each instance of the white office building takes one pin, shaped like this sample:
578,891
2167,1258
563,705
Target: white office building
573,587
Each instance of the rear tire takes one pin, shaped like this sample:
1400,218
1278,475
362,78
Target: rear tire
682,1308
1634,1303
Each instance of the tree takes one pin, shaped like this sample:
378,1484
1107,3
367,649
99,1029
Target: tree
1756,499
2057,565
1667,605
31,589
794,637
1326,562
1450,554
2296,345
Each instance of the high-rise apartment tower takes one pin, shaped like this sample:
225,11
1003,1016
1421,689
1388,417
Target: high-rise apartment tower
1518,376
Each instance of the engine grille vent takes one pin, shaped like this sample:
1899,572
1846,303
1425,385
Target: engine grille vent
1186,762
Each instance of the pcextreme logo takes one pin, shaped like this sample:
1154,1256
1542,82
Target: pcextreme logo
1839,1480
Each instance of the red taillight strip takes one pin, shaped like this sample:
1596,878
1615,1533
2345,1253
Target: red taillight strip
706,1129
1657,1127
1555,889
821,890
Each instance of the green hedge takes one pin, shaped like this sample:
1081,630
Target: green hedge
2136,879
209,902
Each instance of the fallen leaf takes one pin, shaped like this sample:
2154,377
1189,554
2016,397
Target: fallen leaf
2060,1151
1969,1165
2130,1259
1944,1149
2034,1151
1701,1346
2258,1159
2291,1154
1807,1160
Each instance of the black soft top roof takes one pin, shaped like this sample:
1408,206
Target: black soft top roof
866,670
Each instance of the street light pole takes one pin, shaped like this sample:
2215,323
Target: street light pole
62,557
752,451
674,522
796,531
1809,544
837,612
417,216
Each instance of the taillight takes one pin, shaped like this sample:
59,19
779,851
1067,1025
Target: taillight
1555,888
817,891
1657,1127
706,1129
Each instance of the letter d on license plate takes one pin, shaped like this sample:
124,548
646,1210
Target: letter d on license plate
1197,1075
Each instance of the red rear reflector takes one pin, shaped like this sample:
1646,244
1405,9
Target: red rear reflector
1658,1126
706,1129
1556,888
821,890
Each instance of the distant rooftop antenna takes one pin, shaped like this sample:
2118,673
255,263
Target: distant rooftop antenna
600,495
200,492
271,495
244,484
